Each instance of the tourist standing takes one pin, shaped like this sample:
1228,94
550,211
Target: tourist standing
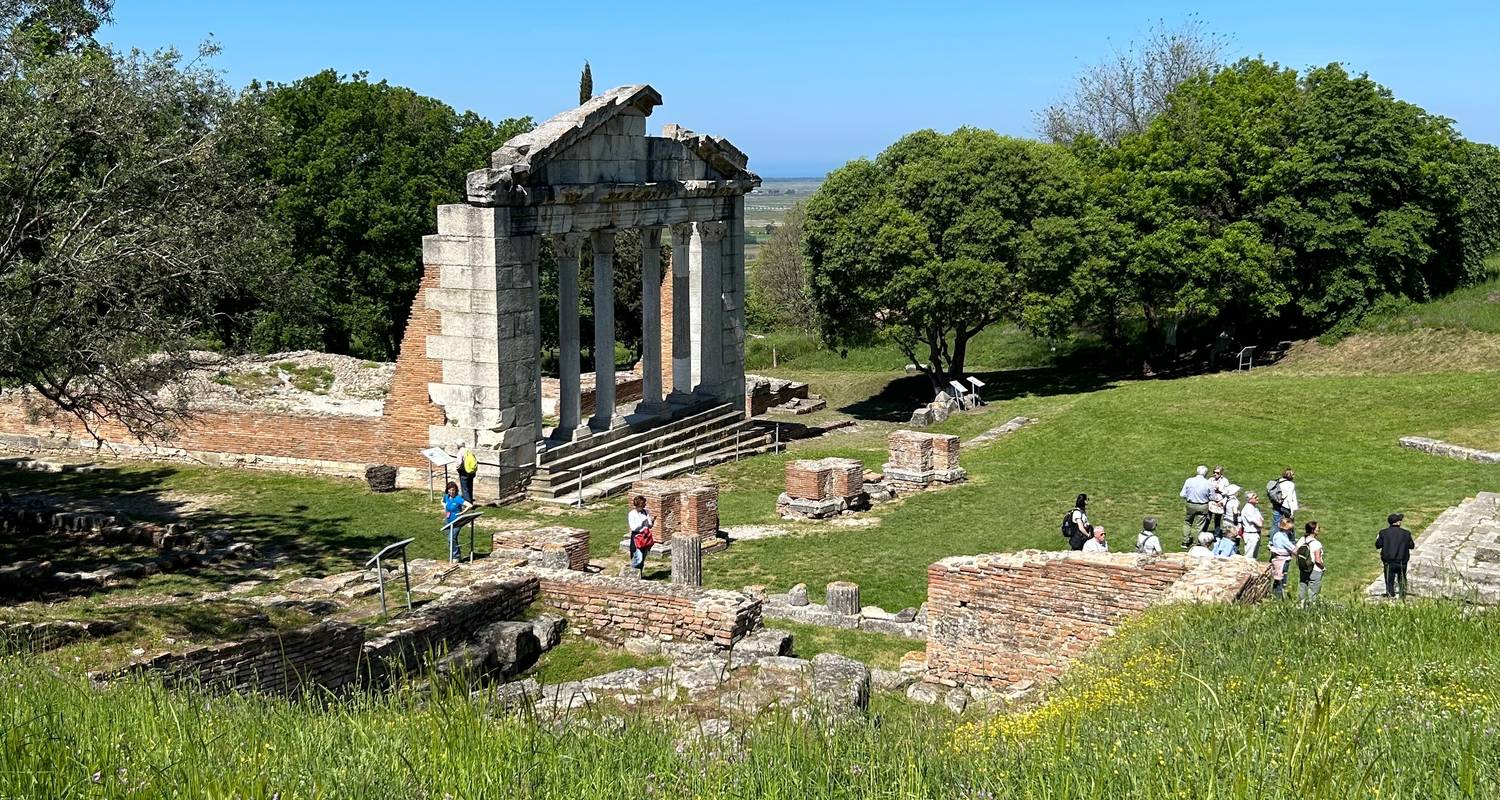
1309,564
1096,543
1078,520
1231,510
454,504
1282,550
1283,495
1147,543
1196,491
642,537
1395,545
1251,524
1217,500
468,467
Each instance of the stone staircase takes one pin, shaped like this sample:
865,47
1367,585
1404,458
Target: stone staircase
607,463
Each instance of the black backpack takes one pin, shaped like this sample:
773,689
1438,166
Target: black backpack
1305,561
1067,525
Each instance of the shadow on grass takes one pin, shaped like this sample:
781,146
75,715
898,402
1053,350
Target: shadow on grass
320,539
901,396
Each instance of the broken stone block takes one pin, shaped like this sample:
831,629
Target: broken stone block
888,681
548,629
922,692
840,685
509,648
797,596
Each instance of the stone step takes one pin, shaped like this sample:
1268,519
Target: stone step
631,455
619,484
568,454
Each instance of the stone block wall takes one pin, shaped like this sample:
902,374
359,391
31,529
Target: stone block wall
682,506
629,607
443,624
1001,620
824,479
324,655
556,547
917,459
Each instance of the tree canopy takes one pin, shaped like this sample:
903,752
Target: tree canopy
360,168
942,236
129,210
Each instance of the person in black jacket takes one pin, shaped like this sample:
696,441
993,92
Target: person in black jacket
1395,545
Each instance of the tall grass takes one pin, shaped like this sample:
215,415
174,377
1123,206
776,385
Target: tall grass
1359,701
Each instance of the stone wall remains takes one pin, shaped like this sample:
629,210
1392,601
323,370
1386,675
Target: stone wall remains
442,625
1458,555
1004,620
1436,447
324,655
684,506
917,459
556,547
625,607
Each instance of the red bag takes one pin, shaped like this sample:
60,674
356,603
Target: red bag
644,539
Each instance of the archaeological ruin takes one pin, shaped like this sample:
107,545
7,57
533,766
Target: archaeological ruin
469,368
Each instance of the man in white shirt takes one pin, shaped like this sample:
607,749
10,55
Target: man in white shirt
1252,522
1096,543
1310,580
1201,548
1147,542
1197,491
1288,505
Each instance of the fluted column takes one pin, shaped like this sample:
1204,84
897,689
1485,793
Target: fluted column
683,348
706,285
569,364
604,330
651,319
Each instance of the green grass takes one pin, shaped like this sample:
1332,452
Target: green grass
996,347
876,649
576,658
1475,308
1227,702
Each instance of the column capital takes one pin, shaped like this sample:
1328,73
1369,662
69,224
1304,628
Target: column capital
568,244
651,238
603,241
682,232
712,231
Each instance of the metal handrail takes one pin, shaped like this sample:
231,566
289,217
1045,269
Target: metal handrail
405,571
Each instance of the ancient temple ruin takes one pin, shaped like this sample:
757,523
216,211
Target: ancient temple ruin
588,174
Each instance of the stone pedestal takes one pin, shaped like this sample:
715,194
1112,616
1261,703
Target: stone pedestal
842,597
687,561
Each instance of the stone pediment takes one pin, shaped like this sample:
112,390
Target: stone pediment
600,151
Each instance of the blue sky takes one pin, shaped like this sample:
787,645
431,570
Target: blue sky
804,87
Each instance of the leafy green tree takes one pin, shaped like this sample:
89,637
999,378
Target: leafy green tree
585,84
361,167
779,286
1481,206
944,235
129,210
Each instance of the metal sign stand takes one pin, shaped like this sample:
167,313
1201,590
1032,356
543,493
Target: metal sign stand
437,457
466,518
380,571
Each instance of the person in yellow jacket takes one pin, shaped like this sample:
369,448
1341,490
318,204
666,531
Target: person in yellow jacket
468,467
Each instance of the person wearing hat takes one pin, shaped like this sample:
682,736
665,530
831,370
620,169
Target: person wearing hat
1395,545
1205,539
1147,542
1252,522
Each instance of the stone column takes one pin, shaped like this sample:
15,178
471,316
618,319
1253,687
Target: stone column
651,400
705,268
683,347
734,302
687,560
604,331
569,362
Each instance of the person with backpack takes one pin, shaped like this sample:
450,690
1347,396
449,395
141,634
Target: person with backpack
1283,495
1147,543
1197,491
1309,564
1218,501
1282,550
1395,545
1251,524
642,537
468,467
1075,526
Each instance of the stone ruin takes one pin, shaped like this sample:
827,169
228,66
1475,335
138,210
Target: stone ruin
821,488
555,547
686,506
1458,556
919,460
1007,622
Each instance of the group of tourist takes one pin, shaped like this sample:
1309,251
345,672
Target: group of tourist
1217,523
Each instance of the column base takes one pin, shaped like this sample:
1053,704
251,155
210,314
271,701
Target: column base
655,409
678,398
577,434
601,425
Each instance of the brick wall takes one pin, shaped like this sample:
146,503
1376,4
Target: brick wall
443,624
910,451
322,655
630,607
687,505
917,459
824,479
999,620
556,547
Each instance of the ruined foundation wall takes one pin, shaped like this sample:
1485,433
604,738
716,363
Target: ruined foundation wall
631,607
999,620
324,655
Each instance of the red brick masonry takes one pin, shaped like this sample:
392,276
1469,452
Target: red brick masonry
631,607
687,505
998,620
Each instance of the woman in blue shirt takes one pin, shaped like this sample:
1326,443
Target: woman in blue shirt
454,504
